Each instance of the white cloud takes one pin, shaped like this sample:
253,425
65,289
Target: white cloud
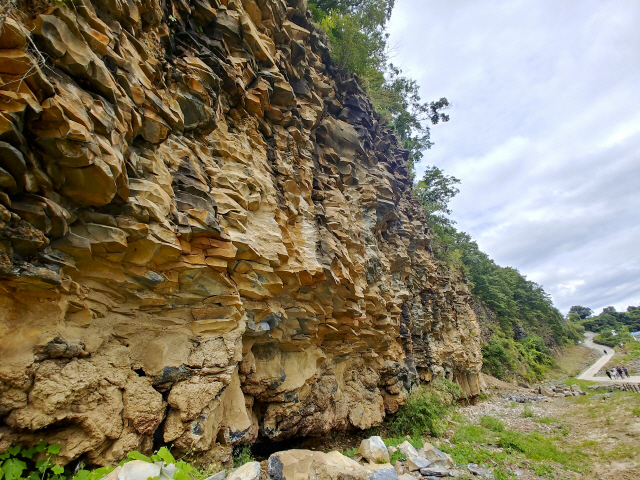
544,134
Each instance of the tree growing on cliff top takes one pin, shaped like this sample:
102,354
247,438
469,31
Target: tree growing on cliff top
356,30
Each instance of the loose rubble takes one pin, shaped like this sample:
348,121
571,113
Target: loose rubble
610,387
560,390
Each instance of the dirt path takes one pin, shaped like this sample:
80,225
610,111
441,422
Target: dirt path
607,354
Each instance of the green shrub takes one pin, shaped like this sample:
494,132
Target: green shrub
425,409
241,455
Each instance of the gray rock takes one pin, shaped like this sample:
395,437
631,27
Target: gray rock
383,471
480,471
248,471
434,472
437,457
416,463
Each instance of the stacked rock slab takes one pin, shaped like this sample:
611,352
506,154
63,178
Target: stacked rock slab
206,235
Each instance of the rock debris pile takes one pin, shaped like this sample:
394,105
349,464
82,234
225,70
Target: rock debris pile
206,235
560,390
624,387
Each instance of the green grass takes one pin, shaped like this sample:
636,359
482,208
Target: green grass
631,351
536,446
472,443
583,384
544,470
492,424
470,453
350,452
528,412
546,420
472,434
500,474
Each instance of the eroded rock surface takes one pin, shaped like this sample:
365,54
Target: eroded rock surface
206,235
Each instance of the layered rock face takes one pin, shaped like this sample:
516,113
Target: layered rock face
207,235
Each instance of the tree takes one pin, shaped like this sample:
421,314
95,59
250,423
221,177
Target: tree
582,312
398,100
356,30
434,192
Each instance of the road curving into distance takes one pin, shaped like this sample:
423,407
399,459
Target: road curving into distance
589,373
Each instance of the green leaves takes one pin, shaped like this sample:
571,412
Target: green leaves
53,449
163,455
13,468
35,463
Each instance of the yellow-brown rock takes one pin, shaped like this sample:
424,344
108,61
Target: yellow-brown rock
206,235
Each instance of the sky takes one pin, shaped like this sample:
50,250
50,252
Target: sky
544,134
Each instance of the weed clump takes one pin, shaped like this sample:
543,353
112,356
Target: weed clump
241,455
492,423
426,409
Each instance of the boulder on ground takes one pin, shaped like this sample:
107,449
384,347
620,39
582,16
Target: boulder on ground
374,450
547,392
248,471
407,449
434,472
416,463
309,465
381,471
436,456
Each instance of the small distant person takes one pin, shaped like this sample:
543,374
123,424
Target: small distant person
614,373
605,352
620,372
626,372
609,375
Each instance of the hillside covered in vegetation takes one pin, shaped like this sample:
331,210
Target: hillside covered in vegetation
608,322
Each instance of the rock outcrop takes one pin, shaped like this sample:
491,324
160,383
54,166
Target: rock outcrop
206,235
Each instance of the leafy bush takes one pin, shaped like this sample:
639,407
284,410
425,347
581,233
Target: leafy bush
425,409
241,455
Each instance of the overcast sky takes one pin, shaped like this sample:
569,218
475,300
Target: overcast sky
544,134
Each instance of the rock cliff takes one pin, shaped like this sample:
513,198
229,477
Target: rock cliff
207,235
